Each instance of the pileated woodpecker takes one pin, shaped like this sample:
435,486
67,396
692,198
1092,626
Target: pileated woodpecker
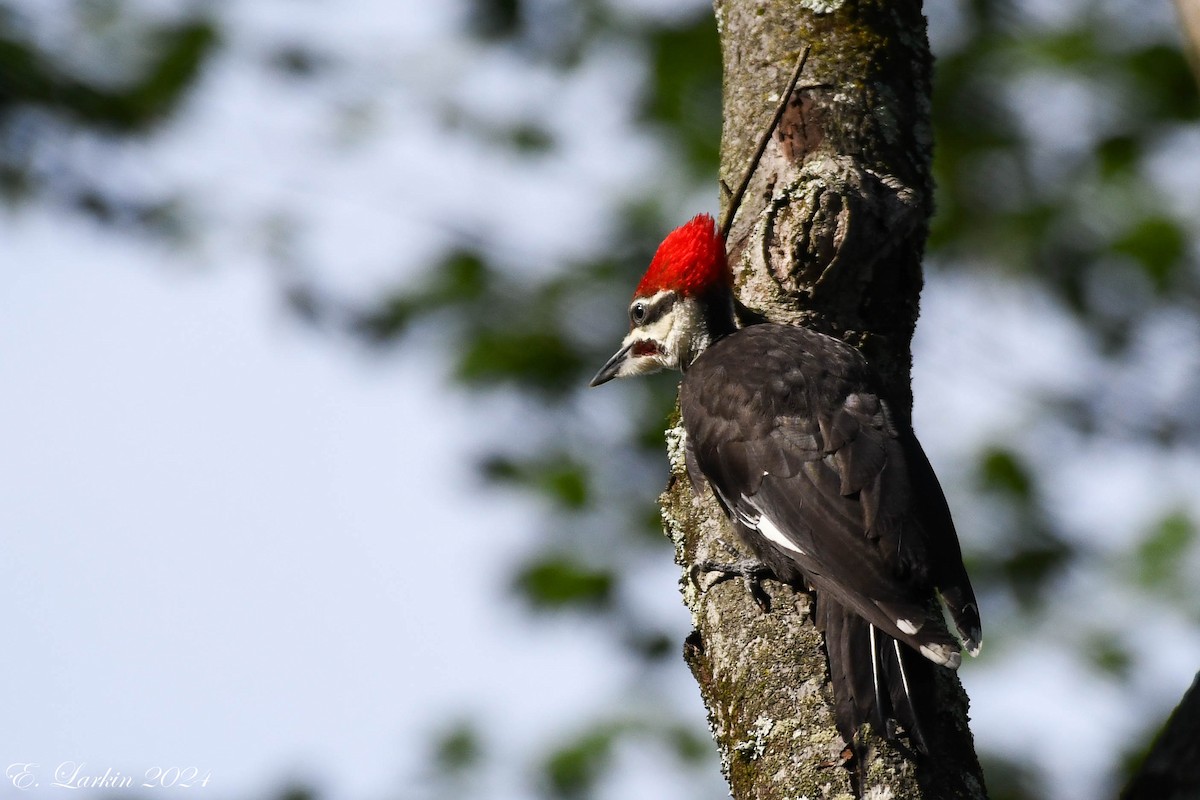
789,429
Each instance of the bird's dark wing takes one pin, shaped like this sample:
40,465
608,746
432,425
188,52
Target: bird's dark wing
946,568
784,426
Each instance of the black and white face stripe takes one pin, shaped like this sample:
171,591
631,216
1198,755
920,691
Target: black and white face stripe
667,331
646,312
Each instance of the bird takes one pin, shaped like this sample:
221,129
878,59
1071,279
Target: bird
790,430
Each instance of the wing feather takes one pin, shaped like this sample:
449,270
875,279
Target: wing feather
787,427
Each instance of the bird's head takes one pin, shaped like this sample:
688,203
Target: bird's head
683,301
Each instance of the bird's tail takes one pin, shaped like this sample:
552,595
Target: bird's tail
875,678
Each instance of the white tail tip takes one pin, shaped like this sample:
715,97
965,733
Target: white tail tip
942,654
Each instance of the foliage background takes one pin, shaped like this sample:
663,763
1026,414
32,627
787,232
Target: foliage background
456,201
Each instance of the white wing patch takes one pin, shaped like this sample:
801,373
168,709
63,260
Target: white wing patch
763,524
770,530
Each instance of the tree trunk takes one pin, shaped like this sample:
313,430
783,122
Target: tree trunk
1171,770
830,235
1189,16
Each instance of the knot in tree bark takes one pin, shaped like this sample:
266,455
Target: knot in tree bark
831,224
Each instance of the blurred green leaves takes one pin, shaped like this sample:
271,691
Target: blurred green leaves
681,99
29,78
1161,559
456,760
561,581
1013,193
533,357
458,749
1001,470
560,478
460,279
493,20
1031,553
573,770
1118,155
1158,245
504,333
685,90
45,99
1163,84
1108,654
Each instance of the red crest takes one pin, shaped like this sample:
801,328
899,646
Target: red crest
690,260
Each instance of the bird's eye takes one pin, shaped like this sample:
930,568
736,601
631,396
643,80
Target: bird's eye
637,313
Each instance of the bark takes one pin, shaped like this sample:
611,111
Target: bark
1189,17
1171,770
830,235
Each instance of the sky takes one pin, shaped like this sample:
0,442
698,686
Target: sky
235,544
208,517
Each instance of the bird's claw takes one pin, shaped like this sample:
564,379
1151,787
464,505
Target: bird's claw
752,571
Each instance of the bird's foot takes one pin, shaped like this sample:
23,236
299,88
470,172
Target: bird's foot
752,571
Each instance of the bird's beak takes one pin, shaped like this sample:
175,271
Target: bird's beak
611,367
